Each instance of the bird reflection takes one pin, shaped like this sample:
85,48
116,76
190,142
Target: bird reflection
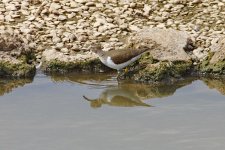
134,94
117,96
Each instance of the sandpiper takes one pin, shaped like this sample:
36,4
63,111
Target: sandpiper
118,59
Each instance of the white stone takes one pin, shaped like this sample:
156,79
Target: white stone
81,1
199,53
73,4
2,17
113,39
32,45
82,38
8,18
64,50
134,28
89,4
102,29
161,25
59,45
146,9
169,22
62,17
54,7
68,36
132,5
31,18
71,15
124,26
24,4
11,7
56,39
6,1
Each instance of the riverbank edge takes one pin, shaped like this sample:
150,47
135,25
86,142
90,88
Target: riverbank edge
139,71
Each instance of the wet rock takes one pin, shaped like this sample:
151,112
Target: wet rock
166,58
217,62
171,43
108,20
219,49
13,57
55,61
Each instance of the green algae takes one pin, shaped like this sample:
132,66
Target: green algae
163,71
8,69
147,69
217,68
204,65
56,66
27,57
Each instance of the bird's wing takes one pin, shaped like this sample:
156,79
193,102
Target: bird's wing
125,55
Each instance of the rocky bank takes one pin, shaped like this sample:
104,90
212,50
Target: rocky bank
186,36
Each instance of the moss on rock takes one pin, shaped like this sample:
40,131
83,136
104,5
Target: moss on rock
56,66
8,69
150,70
217,68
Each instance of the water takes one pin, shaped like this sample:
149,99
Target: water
94,112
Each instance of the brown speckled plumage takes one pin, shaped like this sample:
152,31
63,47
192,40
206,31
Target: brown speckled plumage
120,56
126,55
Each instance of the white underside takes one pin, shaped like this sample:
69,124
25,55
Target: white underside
108,62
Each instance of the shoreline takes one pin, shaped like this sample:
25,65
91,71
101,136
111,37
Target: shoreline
58,32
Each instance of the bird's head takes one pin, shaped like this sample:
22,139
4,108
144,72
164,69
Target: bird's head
97,49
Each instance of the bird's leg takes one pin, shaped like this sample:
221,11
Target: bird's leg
118,73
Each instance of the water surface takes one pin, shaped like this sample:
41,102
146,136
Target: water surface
94,112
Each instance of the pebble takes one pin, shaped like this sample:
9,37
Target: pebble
10,7
73,4
54,7
81,1
84,21
59,45
146,9
62,18
2,18
132,5
56,39
134,28
64,50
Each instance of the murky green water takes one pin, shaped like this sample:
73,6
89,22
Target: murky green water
94,112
